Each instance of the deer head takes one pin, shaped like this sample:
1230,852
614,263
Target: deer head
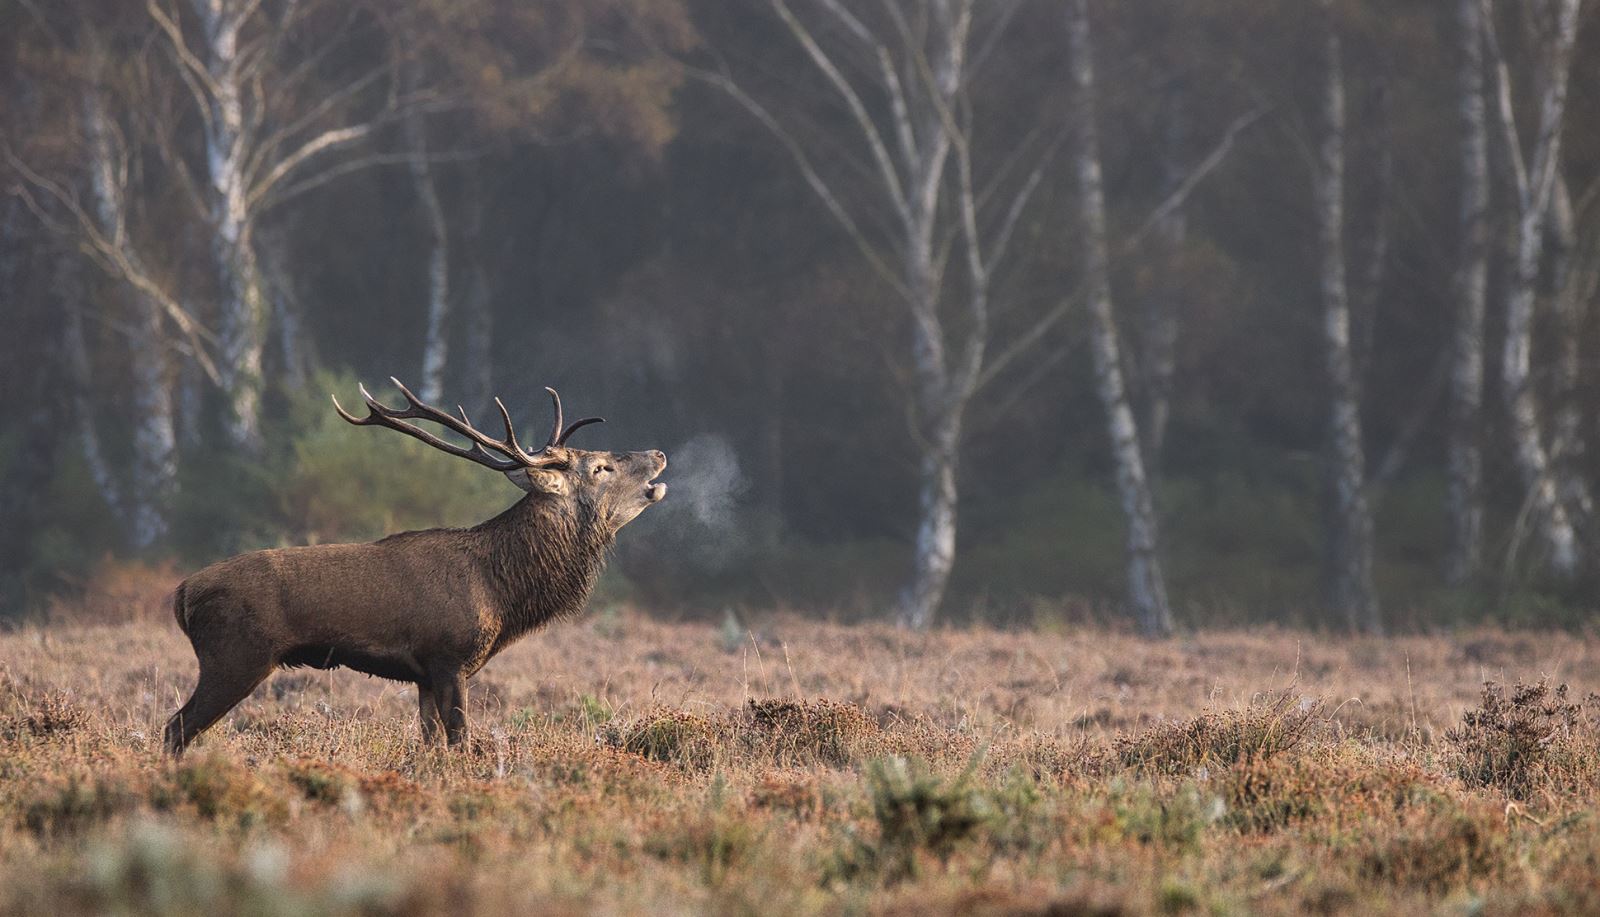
613,487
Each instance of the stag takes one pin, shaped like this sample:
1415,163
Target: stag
429,607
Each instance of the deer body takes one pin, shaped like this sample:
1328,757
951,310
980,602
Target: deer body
428,607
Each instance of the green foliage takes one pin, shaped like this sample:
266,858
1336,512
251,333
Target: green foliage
1151,816
340,482
918,814
323,480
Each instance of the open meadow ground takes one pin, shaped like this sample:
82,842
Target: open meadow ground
620,764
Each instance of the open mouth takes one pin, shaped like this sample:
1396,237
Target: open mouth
655,491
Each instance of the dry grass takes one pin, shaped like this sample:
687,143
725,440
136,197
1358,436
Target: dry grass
623,765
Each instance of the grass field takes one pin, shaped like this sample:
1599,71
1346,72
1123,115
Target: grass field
625,765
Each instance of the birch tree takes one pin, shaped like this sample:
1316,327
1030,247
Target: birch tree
1147,590
265,139
1532,179
1351,591
903,81
155,467
1471,293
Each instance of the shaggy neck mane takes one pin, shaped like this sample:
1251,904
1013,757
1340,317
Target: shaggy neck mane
544,554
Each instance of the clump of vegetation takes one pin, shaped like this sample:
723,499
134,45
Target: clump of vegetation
1518,743
51,713
1221,739
671,736
919,815
1450,845
75,803
812,731
1343,784
220,789
1157,816
713,843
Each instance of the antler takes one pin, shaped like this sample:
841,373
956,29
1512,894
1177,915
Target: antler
558,436
515,456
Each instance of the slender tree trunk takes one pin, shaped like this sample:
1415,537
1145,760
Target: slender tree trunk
153,471
773,451
1567,445
1351,591
435,341
1160,336
1535,187
940,436
476,304
1471,291
69,290
245,306
1147,589
942,393
295,347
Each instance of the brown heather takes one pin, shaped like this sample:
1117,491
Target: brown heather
626,765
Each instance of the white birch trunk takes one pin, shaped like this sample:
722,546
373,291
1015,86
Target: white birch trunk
1535,186
153,471
244,303
920,73
1146,586
939,410
1349,535
435,341
942,393
1471,292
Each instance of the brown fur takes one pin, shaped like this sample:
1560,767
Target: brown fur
429,607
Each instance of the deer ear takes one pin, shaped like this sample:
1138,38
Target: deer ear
539,480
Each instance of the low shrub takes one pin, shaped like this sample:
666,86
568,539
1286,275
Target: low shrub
1517,744
1213,740
816,731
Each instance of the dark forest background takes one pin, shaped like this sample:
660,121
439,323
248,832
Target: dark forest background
611,193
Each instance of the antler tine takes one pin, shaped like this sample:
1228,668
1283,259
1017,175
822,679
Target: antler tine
555,431
511,445
562,440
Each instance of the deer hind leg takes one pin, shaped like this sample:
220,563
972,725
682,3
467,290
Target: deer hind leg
224,682
428,710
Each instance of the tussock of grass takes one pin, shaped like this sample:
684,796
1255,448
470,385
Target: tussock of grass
1220,739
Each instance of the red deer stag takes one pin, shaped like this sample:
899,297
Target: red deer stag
427,607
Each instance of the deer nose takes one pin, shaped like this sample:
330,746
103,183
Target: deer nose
659,456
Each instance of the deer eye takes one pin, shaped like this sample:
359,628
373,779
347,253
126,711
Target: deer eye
599,468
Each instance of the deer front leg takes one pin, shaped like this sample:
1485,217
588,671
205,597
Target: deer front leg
450,696
428,711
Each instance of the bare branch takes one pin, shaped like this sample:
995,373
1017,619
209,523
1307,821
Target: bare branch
1203,168
327,140
858,110
312,182
327,103
117,260
818,185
